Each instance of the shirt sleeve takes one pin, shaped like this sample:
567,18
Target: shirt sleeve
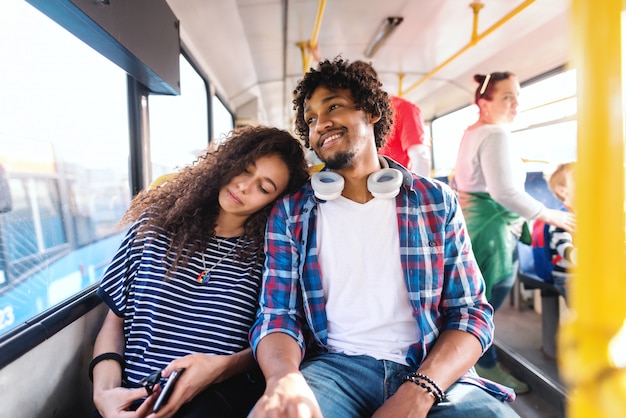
118,277
562,242
496,155
463,302
280,303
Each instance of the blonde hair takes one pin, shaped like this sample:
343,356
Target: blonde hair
559,178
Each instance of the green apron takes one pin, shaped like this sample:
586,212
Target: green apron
489,226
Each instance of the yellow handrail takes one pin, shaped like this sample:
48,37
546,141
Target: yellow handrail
474,40
592,350
400,79
307,47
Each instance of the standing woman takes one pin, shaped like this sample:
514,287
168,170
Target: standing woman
489,177
182,289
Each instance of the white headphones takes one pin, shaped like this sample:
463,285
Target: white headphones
384,183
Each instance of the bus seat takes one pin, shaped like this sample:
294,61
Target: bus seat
537,187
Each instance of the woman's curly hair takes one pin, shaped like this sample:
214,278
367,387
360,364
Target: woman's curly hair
185,206
360,78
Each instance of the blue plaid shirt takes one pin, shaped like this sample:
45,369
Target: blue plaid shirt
446,288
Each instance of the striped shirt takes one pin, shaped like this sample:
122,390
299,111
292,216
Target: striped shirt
563,257
445,287
169,317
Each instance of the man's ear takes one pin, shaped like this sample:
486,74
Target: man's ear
374,118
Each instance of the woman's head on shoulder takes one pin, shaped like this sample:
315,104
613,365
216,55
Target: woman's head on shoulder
496,97
245,145
186,206
260,165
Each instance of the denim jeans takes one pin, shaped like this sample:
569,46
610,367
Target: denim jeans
356,386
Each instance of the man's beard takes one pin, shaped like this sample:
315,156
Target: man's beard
340,160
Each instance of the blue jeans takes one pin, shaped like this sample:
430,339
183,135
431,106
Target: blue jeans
356,386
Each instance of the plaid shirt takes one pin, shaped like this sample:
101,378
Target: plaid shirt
446,288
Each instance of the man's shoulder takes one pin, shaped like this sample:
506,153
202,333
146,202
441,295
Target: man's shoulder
301,197
431,185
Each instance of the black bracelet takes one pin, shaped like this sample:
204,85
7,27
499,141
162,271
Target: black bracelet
442,395
106,356
432,392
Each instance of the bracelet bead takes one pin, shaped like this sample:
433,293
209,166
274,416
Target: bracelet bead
442,395
433,390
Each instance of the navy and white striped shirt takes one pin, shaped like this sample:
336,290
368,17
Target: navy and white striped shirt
169,317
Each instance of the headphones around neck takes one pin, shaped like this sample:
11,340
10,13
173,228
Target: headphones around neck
384,183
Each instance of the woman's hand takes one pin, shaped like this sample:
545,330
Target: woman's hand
201,371
559,218
113,403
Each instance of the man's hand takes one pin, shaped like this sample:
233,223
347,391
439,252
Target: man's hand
410,401
287,397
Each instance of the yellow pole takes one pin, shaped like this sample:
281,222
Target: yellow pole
312,43
591,360
400,79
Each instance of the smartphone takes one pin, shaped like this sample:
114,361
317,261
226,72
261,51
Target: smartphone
167,390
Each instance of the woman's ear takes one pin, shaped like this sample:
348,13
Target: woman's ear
482,104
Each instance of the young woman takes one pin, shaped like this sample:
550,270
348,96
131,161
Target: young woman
182,289
489,177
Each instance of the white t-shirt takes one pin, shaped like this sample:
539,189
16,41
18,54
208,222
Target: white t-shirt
367,303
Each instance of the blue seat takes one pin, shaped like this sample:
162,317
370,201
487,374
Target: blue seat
537,187
526,270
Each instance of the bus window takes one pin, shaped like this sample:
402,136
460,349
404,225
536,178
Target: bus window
544,131
180,119
446,134
222,119
64,151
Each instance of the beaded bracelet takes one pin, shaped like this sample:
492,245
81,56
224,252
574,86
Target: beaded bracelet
106,356
439,397
442,395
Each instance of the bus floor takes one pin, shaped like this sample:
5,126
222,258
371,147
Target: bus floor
518,342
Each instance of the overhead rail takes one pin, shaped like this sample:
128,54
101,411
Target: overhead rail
476,37
309,49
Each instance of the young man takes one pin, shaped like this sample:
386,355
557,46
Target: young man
369,306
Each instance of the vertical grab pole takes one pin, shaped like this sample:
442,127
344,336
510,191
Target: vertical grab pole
591,357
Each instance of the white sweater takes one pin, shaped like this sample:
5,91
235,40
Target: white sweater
489,162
